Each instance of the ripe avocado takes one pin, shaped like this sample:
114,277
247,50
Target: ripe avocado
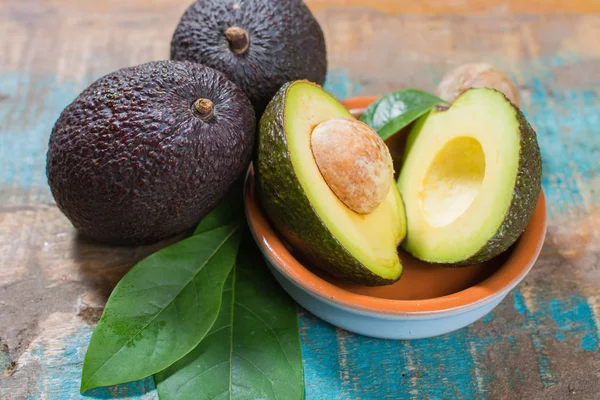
258,44
470,180
305,210
146,151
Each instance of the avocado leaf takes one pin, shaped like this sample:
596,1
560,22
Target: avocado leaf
253,349
392,112
164,306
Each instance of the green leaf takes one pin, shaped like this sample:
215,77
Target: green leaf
396,110
162,308
253,349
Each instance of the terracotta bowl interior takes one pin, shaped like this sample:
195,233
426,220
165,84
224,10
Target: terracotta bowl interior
423,287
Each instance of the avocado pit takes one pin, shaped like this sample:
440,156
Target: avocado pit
477,75
354,162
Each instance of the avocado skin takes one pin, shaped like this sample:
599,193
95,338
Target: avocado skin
286,44
288,208
525,194
128,162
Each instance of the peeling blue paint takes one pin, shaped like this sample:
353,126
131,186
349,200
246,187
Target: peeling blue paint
61,375
572,317
446,363
575,319
339,84
566,123
365,368
319,357
487,318
543,362
519,302
27,114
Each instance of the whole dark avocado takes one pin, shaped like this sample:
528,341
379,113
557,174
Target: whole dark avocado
146,151
258,44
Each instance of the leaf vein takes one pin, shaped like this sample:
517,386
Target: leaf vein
199,375
216,331
271,330
259,370
196,293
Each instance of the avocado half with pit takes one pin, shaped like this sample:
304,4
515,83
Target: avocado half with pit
471,179
321,178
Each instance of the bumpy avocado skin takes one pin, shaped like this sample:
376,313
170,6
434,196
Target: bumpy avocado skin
129,162
286,44
288,208
525,194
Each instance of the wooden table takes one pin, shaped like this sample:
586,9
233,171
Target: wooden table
542,342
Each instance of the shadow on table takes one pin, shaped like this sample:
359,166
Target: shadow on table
101,266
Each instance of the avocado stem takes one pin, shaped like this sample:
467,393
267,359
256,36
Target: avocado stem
238,39
205,109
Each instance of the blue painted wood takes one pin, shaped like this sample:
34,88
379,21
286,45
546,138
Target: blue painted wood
62,372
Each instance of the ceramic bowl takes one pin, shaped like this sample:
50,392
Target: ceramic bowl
429,300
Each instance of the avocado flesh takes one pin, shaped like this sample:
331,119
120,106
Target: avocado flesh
360,248
471,179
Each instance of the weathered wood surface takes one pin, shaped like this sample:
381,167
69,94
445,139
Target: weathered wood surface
541,342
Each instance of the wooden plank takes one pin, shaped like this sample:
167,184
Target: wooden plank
404,7
464,7
541,342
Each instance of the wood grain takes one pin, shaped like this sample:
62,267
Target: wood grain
464,7
541,343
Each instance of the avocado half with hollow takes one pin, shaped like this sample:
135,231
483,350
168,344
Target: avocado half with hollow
470,180
313,162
